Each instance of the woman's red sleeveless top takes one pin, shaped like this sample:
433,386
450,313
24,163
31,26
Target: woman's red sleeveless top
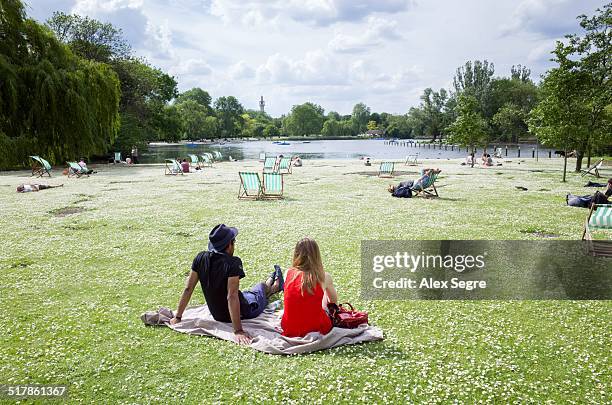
303,313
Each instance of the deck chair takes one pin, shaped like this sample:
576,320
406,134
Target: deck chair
270,165
250,186
195,161
386,169
218,156
262,156
593,170
600,217
284,166
75,169
412,160
117,158
428,188
173,167
272,186
40,166
497,153
206,160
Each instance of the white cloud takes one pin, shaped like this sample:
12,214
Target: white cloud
197,67
318,12
241,70
378,30
549,18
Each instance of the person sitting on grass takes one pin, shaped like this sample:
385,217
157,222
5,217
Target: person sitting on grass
404,189
26,188
185,166
308,290
84,168
487,161
219,273
586,201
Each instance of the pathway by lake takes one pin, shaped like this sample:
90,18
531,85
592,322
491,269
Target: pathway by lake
322,149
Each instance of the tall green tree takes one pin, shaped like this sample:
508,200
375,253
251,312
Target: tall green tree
573,113
145,90
305,119
199,96
229,112
432,106
360,117
470,128
90,38
52,103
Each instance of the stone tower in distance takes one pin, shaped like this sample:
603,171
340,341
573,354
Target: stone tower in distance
262,104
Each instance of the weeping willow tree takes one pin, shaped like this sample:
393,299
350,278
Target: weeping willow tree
52,103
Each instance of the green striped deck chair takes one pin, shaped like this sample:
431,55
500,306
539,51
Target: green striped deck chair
173,167
600,218
218,155
428,187
195,161
270,165
272,185
117,158
386,169
411,160
206,160
40,167
75,169
262,156
284,166
250,186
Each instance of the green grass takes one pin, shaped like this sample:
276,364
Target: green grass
75,281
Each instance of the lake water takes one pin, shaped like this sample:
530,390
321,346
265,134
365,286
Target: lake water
321,149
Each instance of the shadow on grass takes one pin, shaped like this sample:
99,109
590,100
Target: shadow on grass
65,211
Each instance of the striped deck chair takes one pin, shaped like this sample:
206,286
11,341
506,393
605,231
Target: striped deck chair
599,218
206,160
386,169
117,158
40,167
250,186
284,166
75,169
262,156
270,165
195,161
173,167
593,170
272,186
427,188
218,156
412,160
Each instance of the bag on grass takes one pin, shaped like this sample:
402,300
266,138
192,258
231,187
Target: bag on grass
342,317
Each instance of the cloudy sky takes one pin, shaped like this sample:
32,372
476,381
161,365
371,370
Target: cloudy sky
331,52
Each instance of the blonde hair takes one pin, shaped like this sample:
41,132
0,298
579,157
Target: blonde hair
307,259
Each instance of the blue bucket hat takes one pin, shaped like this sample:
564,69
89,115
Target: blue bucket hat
220,236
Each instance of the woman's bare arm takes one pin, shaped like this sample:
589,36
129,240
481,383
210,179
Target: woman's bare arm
331,296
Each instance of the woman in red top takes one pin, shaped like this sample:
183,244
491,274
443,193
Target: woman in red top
308,290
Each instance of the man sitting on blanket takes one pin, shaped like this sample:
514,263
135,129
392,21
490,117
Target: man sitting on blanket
219,272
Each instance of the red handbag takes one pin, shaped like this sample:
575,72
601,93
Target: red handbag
342,317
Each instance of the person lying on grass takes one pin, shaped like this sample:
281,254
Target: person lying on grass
586,201
26,188
404,189
308,290
219,273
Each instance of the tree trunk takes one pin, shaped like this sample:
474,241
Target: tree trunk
473,156
564,164
579,156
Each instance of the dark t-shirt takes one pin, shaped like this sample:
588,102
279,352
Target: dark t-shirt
213,271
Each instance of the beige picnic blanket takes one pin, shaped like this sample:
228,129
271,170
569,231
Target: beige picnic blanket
265,330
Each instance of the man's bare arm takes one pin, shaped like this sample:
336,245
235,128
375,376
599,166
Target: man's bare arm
192,281
233,303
